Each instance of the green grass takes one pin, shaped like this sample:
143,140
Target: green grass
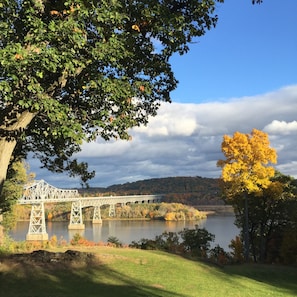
129,272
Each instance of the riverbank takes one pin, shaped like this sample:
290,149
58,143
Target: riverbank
220,210
137,273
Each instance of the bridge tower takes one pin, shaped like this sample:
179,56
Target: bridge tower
36,194
112,212
97,215
76,221
37,228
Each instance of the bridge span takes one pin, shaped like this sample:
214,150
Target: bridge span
40,192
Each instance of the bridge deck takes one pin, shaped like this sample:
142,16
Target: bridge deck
42,192
92,200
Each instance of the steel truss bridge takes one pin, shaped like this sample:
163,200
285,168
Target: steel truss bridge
40,192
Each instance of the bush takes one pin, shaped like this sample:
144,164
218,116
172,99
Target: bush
236,246
53,242
168,241
144,244
114,241
289,247
219,256
196,241
76,238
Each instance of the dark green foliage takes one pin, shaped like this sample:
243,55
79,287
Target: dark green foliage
145,244
194,242
219,256
13,186
237,250
168,241
272,221
114,241
72,71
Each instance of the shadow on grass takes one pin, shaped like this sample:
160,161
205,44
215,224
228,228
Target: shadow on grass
278,276
50,280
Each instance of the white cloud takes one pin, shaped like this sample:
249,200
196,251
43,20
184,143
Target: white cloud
104,148
171,122
185,140
281,127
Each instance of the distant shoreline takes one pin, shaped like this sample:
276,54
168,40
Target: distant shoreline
215,209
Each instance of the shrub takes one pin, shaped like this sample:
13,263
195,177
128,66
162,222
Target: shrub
289,247
236,246
219,256
53,242
76,238
170,216
114,241
144,244
196,241
167,241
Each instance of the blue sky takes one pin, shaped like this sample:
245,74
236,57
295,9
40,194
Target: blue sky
252,50
239,76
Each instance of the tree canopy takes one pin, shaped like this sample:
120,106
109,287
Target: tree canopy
71,71
247,160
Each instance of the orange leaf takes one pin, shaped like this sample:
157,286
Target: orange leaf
18,57
136,28
54,12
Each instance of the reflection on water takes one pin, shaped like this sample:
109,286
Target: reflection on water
127,231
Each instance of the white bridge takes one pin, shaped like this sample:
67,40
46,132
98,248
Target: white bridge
39,192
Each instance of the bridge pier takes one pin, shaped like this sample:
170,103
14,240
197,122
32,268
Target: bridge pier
111,212
37,228
97,215
76,221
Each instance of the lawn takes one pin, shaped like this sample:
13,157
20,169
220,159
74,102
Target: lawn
129,272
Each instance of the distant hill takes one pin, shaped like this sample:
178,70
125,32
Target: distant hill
188,190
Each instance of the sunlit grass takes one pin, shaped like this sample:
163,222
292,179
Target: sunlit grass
129,272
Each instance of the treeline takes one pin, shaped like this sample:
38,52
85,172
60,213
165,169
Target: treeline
187,190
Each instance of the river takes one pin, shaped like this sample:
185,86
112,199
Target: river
133,230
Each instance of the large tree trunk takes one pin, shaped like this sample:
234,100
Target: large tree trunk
8,144
246,229
6,150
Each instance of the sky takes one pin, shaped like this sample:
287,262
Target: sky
241,75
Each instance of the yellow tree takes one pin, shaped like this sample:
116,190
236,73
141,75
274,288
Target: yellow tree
246,168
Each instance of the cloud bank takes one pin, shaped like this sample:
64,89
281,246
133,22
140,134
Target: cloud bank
185,140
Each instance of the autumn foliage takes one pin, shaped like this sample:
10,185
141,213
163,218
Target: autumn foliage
163,211
247,159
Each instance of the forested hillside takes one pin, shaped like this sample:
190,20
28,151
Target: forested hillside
187,190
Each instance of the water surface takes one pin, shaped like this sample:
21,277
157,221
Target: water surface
133,230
